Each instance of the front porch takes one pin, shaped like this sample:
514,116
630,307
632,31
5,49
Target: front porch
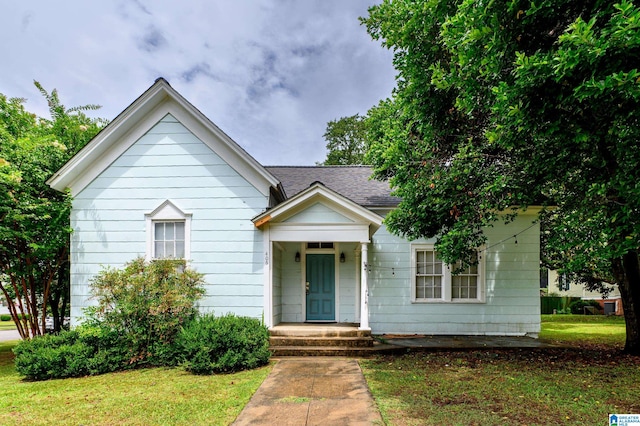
316,260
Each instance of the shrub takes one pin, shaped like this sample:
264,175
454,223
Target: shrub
148,302
86,350
5,317
577,307
229,343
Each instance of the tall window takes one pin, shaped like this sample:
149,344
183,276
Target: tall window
429,275
435,281
168,239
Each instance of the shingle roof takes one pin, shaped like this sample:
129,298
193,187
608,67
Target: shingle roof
352,182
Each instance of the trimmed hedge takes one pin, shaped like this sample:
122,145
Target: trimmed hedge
229,343
7,317
578,306
86,350
206,345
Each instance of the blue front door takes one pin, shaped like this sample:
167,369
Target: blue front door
321,287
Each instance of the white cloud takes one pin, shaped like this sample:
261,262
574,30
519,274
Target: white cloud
269,73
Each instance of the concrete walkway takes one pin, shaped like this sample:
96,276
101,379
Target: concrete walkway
6,335
312,391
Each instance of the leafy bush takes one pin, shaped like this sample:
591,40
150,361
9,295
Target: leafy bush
7,317
577,307
140,311
229,343
148,302
86,350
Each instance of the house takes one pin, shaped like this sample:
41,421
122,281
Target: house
284,244
560,285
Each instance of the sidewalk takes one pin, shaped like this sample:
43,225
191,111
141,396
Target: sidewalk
6,335
312,391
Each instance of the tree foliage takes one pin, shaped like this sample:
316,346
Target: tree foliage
504,105
346,142
34,219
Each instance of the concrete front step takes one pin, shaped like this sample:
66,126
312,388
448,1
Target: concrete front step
285,351
347,342
301,331
305,339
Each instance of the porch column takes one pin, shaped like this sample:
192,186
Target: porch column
364,288
268,278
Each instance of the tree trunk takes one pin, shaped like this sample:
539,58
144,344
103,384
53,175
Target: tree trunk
627,273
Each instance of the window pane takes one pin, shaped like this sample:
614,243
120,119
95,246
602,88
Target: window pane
428,268
179,249
159,231
473,292
159,249
438,267
437,292
168,231
180,231
420,291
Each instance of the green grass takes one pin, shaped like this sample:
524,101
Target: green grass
584,330
7,325
152,396
578,384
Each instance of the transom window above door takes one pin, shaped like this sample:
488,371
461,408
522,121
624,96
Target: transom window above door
318,245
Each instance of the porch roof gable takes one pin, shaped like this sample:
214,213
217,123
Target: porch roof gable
317,192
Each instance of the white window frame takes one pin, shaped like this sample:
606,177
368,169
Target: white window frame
446,279
167,212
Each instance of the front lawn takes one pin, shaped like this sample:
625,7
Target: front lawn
7,325
581,384
584,330
139,397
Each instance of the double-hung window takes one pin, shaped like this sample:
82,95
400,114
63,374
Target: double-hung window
168,239
168,232
435,281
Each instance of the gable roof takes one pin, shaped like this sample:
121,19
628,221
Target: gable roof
352,182
131,124
317,192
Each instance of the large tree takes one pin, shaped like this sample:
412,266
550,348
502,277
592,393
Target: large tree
346,142
504,105
34,219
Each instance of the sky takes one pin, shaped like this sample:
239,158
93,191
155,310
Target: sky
269,73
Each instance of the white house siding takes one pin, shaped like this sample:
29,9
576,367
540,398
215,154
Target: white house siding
169,162
512,305
291,297
318,213
348,282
